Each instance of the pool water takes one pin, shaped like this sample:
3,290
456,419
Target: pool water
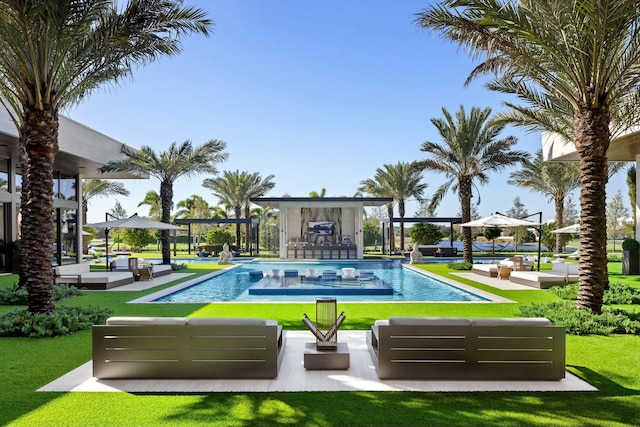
234,285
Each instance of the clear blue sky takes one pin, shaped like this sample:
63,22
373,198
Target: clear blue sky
319,94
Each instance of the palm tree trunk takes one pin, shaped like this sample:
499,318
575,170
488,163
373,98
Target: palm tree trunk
39,147
464,188
592,143
560,237
247,228
401,211
238,213
166,196
392,237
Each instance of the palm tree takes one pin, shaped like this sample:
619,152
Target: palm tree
401,182
53,54
377,187
95,188
153,200
257,187
234,189
179,161
315,194
555,180
577,60
470,150
194,207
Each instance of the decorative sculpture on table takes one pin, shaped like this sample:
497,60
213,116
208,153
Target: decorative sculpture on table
326,326
225,256
415,255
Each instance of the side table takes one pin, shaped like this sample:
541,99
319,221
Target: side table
315,359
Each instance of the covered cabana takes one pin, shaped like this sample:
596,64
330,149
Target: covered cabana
321,227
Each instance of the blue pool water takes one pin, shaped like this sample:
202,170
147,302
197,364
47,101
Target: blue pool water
234,285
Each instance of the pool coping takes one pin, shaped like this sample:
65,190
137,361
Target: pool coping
490,298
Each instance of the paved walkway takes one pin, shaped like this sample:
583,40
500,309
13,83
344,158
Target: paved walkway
361,376
503,284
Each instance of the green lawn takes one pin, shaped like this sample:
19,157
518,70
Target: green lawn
609,363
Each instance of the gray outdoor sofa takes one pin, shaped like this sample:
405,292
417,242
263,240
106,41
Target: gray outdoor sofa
176,347
461,348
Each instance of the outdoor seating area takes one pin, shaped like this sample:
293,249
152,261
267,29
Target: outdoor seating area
461,348
302,250
176,347
561,273
140,271
80,275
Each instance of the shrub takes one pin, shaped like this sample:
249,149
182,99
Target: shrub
584,322
177,267
64,321
460,266
17,295
618,293
630,245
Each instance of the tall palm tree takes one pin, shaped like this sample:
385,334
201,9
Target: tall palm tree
470,149
153,200
95,188
257,187
401,181
231,189
195,207
556,180
573,59
53,54
377,187
179,161
235,188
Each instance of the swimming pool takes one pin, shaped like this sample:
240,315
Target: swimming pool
234,284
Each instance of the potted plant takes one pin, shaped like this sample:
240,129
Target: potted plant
630,256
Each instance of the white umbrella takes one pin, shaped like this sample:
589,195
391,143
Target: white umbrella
499,220
570,229
134,221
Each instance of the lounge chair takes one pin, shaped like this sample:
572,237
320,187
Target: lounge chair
561,273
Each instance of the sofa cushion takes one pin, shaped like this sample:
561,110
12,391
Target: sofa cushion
146,321
428,321
508,321
72,269
247,321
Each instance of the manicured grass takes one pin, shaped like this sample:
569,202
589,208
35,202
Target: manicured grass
610,363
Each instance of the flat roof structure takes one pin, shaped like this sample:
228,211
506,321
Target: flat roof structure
341,220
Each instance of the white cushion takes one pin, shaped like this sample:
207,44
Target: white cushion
511,321
247,321
428,321
146,321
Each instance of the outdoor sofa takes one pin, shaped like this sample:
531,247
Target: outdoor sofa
471,349
177,347
125,264
80,275
512,263
561,273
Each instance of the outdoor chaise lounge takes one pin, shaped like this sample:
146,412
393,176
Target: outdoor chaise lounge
176,347
561,273
515,263
461,348
81,276
489,270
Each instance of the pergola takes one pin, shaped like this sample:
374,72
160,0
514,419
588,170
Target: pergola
254,229
389,223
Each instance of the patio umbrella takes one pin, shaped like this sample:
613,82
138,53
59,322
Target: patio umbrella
570,229
499,220
134,221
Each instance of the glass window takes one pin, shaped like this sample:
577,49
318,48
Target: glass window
4,174
66,186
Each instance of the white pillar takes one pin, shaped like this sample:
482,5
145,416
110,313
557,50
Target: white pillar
283,232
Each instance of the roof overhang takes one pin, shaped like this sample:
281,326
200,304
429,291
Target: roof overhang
81,150
623,148
320,202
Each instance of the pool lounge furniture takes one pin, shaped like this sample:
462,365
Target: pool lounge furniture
561,273
81,276
488,270
461,348
432,250
176,347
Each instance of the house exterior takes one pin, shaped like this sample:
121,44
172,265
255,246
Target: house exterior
82,151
